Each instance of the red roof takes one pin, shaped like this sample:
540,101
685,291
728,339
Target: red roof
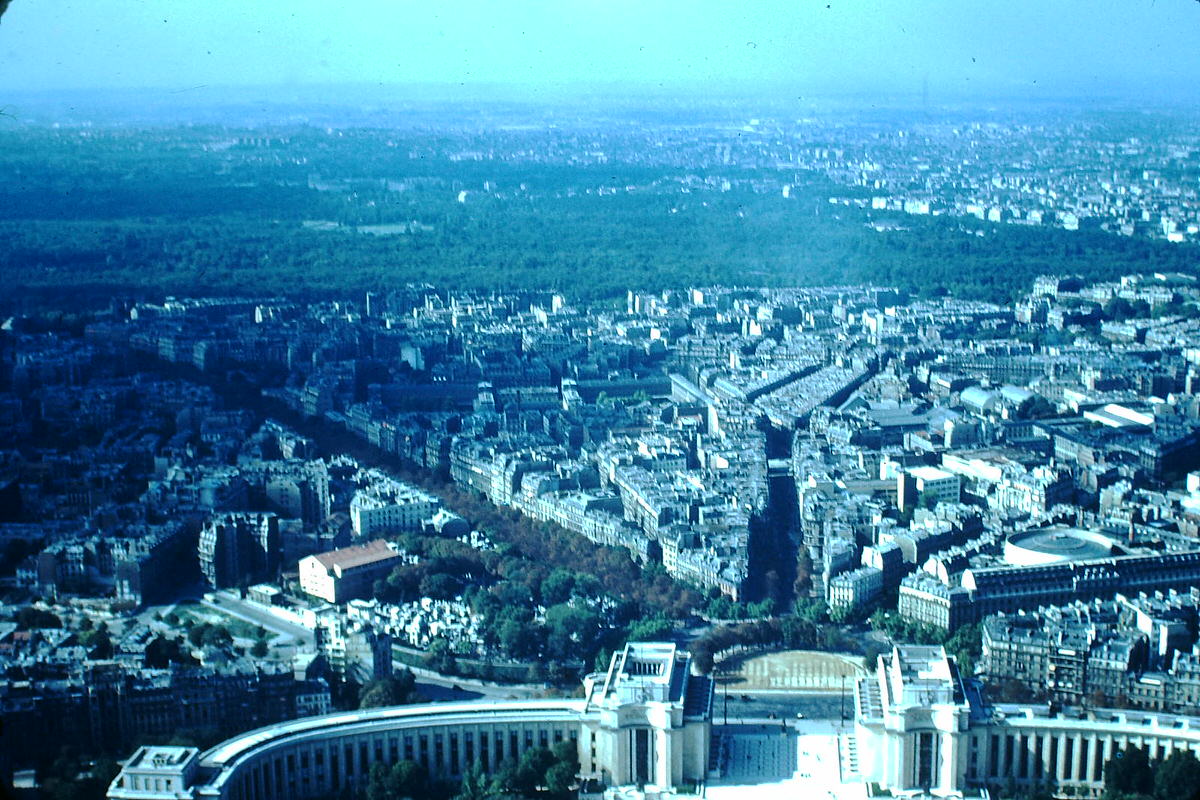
357,556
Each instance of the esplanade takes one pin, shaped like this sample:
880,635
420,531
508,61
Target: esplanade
921,731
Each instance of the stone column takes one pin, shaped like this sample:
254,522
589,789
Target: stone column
1029,754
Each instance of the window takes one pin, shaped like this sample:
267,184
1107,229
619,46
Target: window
641,759
925,753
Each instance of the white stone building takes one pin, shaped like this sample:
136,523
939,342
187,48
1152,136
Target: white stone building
389,507
647,723
921,732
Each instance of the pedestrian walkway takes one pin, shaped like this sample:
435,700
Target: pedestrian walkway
765,763
848,753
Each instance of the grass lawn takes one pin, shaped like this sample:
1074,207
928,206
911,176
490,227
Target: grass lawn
198,613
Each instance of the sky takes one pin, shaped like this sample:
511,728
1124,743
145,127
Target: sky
964,48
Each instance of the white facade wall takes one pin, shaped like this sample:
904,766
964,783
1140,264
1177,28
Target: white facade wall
320,756
966,750
371,516
316,580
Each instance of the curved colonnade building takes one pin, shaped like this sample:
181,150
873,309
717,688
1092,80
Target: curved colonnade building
920,732
646,723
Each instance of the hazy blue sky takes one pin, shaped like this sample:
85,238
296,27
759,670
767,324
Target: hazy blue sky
1009,46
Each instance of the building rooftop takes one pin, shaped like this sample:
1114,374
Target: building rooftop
162,757
646,672
930,473
357,555
1059,543
920,675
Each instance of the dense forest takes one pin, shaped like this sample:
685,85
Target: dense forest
84,217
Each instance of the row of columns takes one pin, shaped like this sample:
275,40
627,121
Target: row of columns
1063,757
282,772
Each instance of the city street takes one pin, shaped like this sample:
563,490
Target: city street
450,687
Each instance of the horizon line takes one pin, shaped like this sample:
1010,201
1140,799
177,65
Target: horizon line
776,91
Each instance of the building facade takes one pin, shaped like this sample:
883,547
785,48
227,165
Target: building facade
348,573
239,548
646,721
390,507
921,731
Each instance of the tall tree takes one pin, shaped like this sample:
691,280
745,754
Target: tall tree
1128,772
1178,777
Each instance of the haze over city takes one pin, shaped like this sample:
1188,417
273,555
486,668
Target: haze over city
934,48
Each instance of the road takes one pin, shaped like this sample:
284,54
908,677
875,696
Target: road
252,613
436,686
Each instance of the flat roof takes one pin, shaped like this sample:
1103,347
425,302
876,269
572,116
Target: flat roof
163,757
646,671
930,473
233,749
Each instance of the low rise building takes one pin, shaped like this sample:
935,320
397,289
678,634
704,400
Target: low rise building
348,573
